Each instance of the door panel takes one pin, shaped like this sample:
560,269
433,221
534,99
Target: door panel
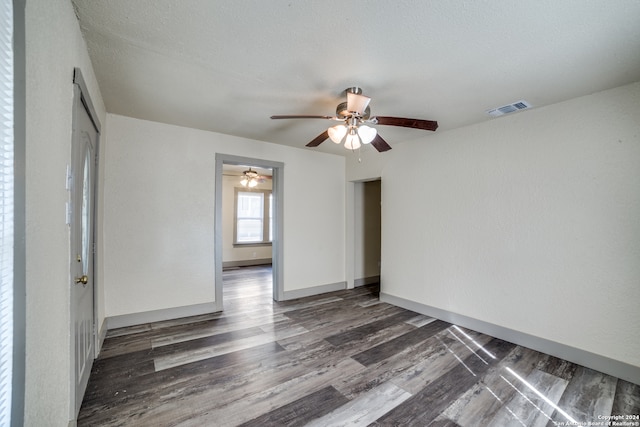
82,214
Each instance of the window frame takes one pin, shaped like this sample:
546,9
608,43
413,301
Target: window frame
266,217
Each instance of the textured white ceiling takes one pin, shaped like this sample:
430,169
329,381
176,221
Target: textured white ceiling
228,65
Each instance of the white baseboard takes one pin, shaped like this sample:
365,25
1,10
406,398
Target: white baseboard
132,319
316,290
600,363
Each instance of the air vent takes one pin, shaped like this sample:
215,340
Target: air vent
510,108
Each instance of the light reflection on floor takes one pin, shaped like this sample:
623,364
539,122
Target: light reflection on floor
520,386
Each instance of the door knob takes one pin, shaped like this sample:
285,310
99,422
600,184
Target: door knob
82,279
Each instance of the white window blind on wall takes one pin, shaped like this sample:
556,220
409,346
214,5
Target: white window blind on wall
6,209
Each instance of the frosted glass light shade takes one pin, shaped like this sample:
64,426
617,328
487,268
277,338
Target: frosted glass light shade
336,133
352,142
367,133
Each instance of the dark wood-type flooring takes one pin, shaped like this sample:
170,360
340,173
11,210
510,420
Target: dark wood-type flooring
335,359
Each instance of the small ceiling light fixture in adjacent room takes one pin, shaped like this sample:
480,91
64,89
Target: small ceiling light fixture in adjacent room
249,178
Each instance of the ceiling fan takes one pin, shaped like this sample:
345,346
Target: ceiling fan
250,178
355,116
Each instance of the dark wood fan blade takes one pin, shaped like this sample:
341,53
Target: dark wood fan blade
407,123
303,117
319,139
380,144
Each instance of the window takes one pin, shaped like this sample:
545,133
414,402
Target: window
253,218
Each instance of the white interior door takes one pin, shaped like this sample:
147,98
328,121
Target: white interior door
84,144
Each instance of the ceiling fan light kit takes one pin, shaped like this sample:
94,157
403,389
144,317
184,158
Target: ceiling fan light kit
249,178
355,116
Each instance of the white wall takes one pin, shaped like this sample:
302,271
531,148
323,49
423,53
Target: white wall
231,253
529,221
159,214
54,46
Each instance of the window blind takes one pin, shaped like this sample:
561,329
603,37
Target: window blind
6,209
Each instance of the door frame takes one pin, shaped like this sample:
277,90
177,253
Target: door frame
81,97
351,245
277,255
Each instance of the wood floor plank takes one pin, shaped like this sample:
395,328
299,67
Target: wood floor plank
533,404
432,365
478,405
421,320
355,384
267,400
205,342
369,302
558,367
365,342
365,409
588,394
124,344
627,399
360,332
443,422
190,356
340,316
215,329
299,412
389,348
347,317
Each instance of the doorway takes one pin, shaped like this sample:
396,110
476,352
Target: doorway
82,185
275,231
367,232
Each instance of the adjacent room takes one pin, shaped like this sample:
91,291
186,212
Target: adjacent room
325,213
